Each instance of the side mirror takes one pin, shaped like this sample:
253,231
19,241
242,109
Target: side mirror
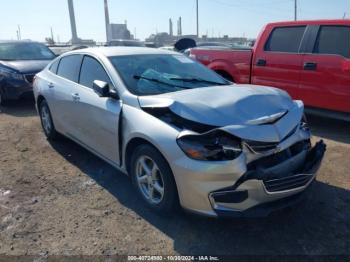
103,90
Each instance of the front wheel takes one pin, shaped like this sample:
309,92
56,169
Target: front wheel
2,100
153,179
46,121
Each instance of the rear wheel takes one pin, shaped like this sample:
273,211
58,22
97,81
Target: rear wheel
153,179
46,121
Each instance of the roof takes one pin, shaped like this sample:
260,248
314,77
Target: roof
122,51
313,22
16,41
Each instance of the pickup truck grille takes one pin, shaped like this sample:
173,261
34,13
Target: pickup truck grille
287,183
29,78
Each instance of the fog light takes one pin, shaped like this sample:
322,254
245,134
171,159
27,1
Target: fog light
228,197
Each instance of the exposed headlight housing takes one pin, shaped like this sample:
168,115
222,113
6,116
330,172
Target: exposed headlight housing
8,73
213,146
304,125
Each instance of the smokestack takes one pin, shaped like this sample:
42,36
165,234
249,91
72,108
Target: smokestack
171,33
179,27
72,22
108,28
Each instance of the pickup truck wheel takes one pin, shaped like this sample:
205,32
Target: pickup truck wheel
153,179
46,121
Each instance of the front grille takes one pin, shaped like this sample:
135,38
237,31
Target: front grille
278,158
287,183
263,147
260,147
30,78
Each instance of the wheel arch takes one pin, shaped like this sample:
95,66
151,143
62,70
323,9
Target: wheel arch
39,100
225,75
130,147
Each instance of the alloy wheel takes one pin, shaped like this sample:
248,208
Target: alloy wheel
149,180
46,119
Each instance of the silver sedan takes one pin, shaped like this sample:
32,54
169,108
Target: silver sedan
186,136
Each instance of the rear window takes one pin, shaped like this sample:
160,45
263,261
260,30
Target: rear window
285,39
69,67
333,40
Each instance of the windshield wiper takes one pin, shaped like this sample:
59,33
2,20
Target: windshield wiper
198,80
159,82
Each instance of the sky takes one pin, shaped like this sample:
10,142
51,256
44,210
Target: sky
217,17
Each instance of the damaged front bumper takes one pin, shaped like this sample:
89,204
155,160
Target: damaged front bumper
261,191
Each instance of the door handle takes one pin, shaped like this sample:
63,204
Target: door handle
76,97
51,85
261,62
310,66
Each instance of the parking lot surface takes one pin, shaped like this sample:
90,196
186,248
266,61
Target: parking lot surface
59,199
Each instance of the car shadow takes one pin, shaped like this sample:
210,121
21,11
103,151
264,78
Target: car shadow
328,128
319,225
24,107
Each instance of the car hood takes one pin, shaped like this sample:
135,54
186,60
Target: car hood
26,66
250,112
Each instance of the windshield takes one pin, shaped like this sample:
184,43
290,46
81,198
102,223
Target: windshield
127,43
159,74
25,51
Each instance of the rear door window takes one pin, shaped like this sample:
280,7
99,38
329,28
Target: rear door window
92,70
333,40
285,39
54,66
69,67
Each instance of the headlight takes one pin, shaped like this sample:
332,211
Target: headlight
304,125
8,73
214,146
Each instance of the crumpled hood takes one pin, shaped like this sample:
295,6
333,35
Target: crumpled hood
26,66
247,111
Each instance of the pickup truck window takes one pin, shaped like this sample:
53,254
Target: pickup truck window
285,39
333,40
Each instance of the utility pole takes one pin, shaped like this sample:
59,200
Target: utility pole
108,27
295,10
72,22
197,9
52,35
19,32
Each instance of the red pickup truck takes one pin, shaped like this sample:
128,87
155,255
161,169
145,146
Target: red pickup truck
308,59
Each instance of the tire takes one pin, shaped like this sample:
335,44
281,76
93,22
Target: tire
166,203
3,101
46,121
